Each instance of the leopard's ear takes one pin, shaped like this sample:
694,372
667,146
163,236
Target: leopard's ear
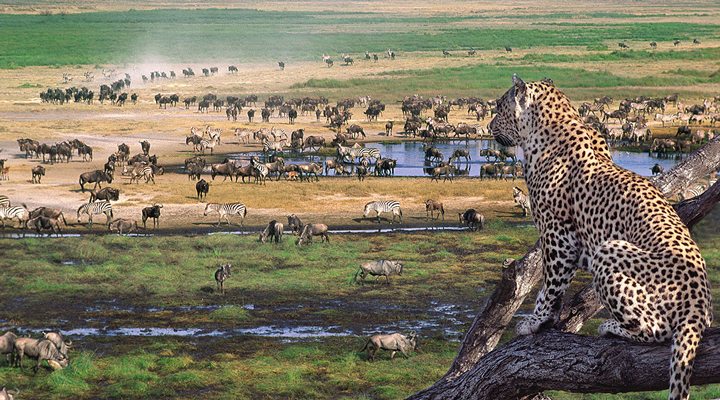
519,89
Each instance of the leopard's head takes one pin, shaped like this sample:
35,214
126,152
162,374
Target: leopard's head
508,124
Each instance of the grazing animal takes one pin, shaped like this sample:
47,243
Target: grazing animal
96,177
432,206
122,226
221,275
152,212
15,212
380,207
394,342
108,193
142,171
38,349
95,208
295,224
311,230
7,345
647,270
474,220
60,343
377,269
274,231
41,223
37,173
522,200
225,209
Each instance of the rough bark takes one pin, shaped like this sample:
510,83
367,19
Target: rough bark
520,277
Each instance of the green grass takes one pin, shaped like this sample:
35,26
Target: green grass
252,35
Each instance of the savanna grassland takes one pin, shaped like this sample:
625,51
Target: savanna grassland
143,312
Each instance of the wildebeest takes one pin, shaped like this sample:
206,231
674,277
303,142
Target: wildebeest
226,170
96,177
202,188
7,345
152,212
108,193
394,342
460,153
41,223
273,230
313,143
145,145
281,64
473,219
657,169
60,343
446,171
388,128
432,206
122,226
37,173
5,395
311,230
295,224
221,274
377,269
38,349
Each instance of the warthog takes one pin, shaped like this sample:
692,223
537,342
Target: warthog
7,345
394,342
377,269
96,177
473,219
38,349
221,274
37,173
5,395
311,230
123,226
274,231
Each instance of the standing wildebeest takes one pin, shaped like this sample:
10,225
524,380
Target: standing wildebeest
251,115
292,114
37,173
388,128
431,206
473,219
226,170
39,349
108,193
122,226
202,188
7,345
295,224
96,177
377,269
460,153
394,342
152,212
274,231
145,147
446,171
657,169
313,143
281,64
311,230
221,274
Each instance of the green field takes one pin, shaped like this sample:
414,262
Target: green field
259,36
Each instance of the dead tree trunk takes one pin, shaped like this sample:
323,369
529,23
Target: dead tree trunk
518,280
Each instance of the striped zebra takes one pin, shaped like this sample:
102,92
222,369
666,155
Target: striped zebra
96,208
693,191
4,201
142,171
383,206
521,199
226,209
209,144
12,212
260,170
367,152
276,147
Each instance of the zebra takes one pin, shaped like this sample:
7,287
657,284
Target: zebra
96,208
276,147
4,201
693,191
209,144
12,212
144,171
261,171
383,206
367,152
221,274
226,209
521,199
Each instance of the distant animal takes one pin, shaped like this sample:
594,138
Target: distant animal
388,128
522,200
145,145
657,169
202,188
95,208
107,193
273,230
37,173
8,395
7,346
432,206
394,342
281,64
122,226
473,219
221,275
380,207
152,212
38,349
225,209
377,269
15,212
311,230
96,177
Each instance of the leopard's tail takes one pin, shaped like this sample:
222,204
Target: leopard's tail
684,347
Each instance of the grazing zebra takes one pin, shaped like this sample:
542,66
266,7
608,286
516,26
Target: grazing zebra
209,144
367,152
221,274
276,147
4,201
96,208
12,212
226,209
144,171
521,199
383,206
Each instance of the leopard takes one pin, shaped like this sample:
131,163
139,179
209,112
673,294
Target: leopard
595,216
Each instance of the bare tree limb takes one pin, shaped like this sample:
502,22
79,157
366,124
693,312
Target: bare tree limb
520,277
